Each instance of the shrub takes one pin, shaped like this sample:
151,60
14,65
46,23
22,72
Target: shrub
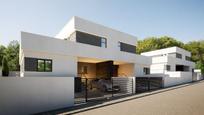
5,68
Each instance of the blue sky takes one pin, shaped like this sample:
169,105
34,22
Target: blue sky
181,19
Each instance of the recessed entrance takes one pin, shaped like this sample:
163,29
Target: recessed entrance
95,79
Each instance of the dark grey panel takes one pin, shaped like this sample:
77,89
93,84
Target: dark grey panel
127,48
30,64
82,37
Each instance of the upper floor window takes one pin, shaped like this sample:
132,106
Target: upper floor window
86,38
103,42
188,58
127,47
178,55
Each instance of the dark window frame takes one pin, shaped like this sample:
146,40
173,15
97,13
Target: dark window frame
31,64
120,44
146,70
44,69
47,65
103,42
178,55
93,40
188,58
168,67
38,62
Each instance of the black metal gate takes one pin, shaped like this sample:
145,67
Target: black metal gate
144,84
90,89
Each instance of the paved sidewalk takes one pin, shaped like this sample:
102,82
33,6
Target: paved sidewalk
180,100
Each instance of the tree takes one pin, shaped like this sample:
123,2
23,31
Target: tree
197,51
154,43
2,52
12,54
5,68
195,47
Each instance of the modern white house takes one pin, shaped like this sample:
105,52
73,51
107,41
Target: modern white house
86,49
50,67
173,64
81,45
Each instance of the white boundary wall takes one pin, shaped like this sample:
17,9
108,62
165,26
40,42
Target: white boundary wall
176,78
28,95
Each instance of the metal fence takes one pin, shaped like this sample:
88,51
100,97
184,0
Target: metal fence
144,84
90,89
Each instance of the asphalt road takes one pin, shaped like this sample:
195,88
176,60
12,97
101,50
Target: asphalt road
188,100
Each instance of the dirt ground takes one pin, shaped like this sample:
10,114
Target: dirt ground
187,100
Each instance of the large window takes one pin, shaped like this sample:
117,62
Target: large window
40,65
85,38
178,55
44,65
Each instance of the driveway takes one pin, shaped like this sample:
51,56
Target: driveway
187,100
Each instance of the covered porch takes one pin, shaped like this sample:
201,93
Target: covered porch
99,79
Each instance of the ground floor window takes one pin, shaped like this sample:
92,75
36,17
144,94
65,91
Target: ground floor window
44,65
168,67
36,64
146,71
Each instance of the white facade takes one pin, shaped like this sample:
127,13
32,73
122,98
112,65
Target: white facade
173,64
66,53
113,36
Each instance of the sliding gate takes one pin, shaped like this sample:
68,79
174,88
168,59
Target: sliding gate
144,84
91,89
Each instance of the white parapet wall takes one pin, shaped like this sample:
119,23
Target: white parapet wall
176,78
197,75
28,95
